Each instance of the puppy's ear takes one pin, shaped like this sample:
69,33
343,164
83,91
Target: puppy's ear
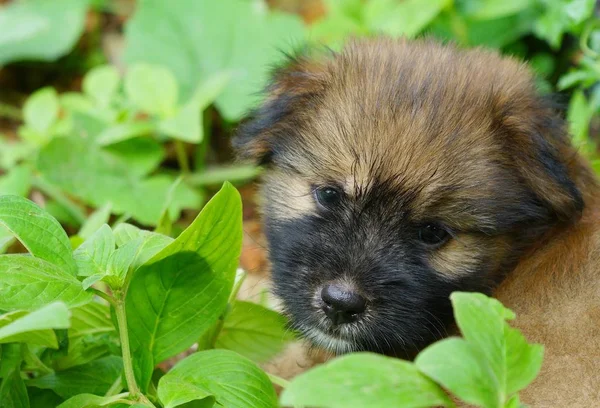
292,88
545,158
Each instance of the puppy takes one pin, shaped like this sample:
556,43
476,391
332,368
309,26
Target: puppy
401,171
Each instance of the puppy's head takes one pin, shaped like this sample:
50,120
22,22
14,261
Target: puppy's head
400,172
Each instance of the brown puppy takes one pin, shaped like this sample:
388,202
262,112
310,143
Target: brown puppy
402,171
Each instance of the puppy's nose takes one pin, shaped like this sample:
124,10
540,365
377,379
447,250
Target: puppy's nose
341,304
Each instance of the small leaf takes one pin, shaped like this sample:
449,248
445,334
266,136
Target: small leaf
95,221
232,380
364,380
35,327
95,377
165,224
152,88
217,175
29,283
459,368
125,232
16,182
407,18
254,332
101,84
92,257
40,111
124,131
39,232
524,361
196,270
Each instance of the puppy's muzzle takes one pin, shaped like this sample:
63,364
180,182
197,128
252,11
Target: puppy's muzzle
342,304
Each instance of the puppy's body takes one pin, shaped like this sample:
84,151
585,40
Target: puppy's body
402,171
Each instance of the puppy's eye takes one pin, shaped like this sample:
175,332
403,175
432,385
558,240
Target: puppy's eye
433,234
327,196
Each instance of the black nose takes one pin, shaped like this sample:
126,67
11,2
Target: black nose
342,305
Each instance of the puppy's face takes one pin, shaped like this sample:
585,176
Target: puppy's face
400,172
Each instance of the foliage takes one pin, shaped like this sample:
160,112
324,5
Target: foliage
83,325
487,368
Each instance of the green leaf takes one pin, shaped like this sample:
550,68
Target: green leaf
247,49
39,232
30,283
152,88
102,84
11,358
196,271
254,332
16,182
364,380
35,327
579,117
93,256
407,18
118,173
493,9
95,221
91,401
454,364
39,29
13,393
523,360
165,224
562,16
124,131
217,175
126,232
95,377
40,111
232,380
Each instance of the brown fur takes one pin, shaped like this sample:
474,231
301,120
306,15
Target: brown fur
381,111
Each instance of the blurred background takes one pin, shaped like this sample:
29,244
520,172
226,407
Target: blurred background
124,109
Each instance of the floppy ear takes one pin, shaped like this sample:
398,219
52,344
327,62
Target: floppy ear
548,164
292,87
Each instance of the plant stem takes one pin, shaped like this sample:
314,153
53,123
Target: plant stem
134,390
104,296
182,158
275,379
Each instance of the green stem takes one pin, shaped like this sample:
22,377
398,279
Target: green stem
182,157
74,209
115,388
104,296
134,390
275,379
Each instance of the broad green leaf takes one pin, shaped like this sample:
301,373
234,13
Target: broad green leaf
254,332
91,401
454,364
579,117
232,380
118,173
124,131
182,290
92,318
217,175
95,377
251,44
96,220
16,182
13,393
364,380
40,112
165,224
41,234
560,17
43,398
523,360
35,327
152,88
101,84
492,9
126,232
30,283
12,153
40,29
6,239
92,257
407,18
10,358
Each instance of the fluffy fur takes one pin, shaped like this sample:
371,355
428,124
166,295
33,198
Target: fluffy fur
414,134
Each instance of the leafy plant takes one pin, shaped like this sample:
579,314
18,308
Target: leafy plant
487,368
81,326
